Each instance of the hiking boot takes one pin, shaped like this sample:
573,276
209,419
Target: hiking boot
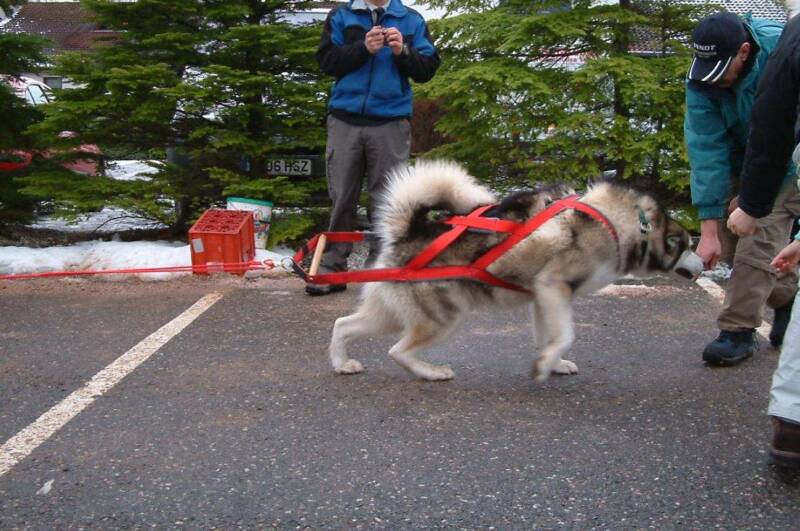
785,449
325,289
779,323
731,348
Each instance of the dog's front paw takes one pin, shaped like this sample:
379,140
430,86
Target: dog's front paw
565,367
350,367
439,373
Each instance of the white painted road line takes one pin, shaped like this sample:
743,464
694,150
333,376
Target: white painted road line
713,289
23,443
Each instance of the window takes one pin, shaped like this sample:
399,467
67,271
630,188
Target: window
35,95
54,82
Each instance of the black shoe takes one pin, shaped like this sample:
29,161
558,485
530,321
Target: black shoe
324,289
731,348
785,449
779,323
327,289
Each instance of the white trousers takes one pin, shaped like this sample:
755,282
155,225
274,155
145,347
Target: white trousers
785,393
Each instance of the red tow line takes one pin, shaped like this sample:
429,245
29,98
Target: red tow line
419,269
239,267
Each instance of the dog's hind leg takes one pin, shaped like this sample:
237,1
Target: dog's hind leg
367,321
417,338
554,326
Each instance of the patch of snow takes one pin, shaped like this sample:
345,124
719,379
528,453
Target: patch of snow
722,271
110,219
131,170
107,220
99,255
636,290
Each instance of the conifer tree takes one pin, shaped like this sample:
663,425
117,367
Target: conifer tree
220,84
559,90
18,53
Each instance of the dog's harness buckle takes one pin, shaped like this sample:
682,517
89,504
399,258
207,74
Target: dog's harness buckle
418,268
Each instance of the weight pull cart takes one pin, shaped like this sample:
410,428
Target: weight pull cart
419,268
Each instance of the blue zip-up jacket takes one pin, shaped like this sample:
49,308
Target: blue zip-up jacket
716,126
375,86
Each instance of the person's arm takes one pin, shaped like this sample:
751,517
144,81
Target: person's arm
772,139
421,61
709,149
336,57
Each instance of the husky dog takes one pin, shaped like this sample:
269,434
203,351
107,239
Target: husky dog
571,254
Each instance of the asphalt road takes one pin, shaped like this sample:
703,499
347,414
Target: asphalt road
238,421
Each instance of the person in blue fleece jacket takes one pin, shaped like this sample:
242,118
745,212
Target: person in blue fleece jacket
372,48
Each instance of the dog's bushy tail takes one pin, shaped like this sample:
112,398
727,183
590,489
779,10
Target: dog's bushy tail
434,183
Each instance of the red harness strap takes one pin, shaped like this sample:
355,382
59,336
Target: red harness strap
571,202
445,240
416,269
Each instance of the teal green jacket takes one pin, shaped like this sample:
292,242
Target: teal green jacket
716,125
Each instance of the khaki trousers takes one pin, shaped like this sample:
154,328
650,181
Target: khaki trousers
753,281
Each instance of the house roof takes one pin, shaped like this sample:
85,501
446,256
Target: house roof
769,9
67,24
70,28
645,41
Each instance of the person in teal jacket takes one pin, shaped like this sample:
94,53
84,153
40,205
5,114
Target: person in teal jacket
729,57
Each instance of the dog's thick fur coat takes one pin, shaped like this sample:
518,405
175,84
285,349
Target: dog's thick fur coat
571,254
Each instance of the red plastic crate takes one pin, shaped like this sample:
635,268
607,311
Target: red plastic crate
223,236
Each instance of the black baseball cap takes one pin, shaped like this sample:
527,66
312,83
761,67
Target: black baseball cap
716,41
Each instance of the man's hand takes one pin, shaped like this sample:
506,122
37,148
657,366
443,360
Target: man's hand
374,40
788,258
394,40
709,249
741,223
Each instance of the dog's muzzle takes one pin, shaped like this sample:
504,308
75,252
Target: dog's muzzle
689,265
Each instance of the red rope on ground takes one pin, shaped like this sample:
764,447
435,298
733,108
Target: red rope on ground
238,267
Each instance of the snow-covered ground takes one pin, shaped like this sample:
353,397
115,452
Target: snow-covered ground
100,255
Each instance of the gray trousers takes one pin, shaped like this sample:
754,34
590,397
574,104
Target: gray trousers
352,152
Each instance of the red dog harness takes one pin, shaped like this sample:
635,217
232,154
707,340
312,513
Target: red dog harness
418,267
